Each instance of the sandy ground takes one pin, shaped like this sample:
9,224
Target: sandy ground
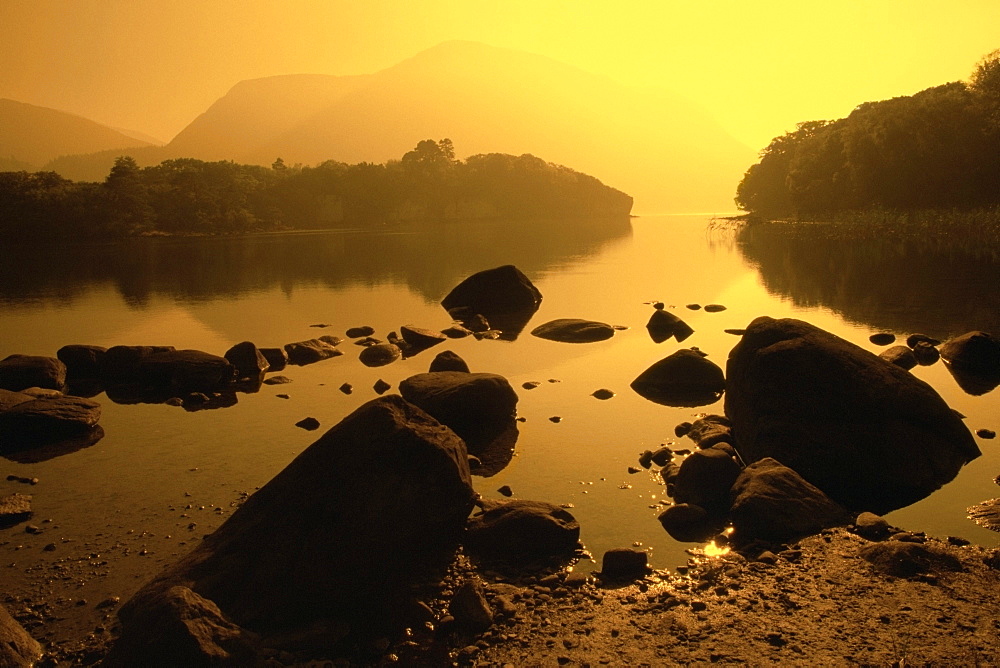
817,603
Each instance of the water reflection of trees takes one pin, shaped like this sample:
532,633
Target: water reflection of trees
429,259
937,286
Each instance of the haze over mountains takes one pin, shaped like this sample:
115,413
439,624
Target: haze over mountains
663,150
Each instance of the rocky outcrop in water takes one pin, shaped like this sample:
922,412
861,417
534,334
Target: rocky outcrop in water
574,330
685,378
336,535
866,432
974,360
504,296
663,325
19,372
520,532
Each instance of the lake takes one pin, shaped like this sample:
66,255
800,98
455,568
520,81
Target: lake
163,476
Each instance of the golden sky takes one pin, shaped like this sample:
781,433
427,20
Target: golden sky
757,67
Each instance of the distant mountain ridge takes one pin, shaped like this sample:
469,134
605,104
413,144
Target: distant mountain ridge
31,136
665,151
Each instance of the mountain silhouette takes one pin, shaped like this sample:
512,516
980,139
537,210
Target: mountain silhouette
32,136
665,151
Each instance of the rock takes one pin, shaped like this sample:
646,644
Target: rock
247,359
684,378
380,354
871,527
506,490
19,372
901,356
693,307
479,407
574,330
177,627
913,339
688,523
359,332
662,456
469,608
925,353
714,308
974,361
772,502
446,360
82,361
277,380
10,399
603,394
903,559
520,532
381,387
662,325
308,352
705,478
681,429
869,434
186,371
48,419
374,504
882,338
986,433
121,364
347,388
277,358
624,563
709,430
457,332
14,508
986,514
419,338
309,424
503,295
17,648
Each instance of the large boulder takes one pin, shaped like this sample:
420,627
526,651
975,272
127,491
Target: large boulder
19,372
866,432
82,361
17,648
479,407
685,378
504,295
574,330
177,627
770,501
186,371
340,532
519,532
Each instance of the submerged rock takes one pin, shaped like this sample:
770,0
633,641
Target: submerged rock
380,354
419,338
19,372
869,434
574,330
685,378
47,419
520,532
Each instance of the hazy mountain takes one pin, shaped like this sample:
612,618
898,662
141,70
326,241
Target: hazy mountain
665,151
31,136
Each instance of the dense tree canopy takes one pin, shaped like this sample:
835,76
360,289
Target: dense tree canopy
935,149
188,196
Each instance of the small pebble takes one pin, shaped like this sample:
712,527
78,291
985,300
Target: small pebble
555,418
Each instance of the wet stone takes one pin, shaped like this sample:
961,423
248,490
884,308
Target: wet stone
309,424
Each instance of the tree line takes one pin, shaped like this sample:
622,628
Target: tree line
939,148
187,196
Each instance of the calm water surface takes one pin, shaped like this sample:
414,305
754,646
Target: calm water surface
156,460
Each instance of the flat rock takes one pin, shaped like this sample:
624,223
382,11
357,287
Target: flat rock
574,330
48,419
420,338
310,351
